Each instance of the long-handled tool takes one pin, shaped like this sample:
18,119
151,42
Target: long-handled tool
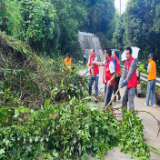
113,97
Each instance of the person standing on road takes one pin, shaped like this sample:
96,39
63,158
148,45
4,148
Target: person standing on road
129,79
94,71
151,70
108,75
118,75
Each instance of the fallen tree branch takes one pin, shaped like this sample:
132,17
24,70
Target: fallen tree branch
144,112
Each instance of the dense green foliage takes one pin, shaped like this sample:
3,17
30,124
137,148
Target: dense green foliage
100,20
45,112
58,132
51,27
39,23
44,108
139,26
30,77
132,140
62,132
10,17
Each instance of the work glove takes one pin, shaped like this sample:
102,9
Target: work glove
88,69
122,84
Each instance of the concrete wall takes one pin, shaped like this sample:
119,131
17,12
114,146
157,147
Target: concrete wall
89,41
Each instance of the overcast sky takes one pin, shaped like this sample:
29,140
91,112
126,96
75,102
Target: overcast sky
123,5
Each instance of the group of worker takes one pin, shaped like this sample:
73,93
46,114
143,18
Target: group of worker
112,75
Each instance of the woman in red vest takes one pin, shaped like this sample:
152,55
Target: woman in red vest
129,78
94,72
118,75
108,75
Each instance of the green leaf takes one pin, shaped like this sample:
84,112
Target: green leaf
55,153
93,107
2,151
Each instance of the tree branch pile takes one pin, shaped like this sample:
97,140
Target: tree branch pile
32,80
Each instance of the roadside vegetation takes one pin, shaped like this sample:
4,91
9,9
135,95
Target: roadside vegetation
51,27
45,110
139,26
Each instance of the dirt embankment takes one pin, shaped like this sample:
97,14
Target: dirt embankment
158,96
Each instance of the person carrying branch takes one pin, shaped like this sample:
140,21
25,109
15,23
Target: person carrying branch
151,70
129,79
94,71
108,75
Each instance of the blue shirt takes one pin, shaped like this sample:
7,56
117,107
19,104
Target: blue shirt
115,63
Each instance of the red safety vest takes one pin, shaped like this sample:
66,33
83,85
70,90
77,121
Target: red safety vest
106,72
133,80
118,67
95,68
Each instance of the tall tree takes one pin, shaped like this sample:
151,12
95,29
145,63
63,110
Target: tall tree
141,27
71,16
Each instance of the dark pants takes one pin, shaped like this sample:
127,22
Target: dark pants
129,96
109,92
151,89
84,60
117,79
92,79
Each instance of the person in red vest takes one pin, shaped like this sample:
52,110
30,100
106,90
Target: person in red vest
118,75
129,79
108,75
94,72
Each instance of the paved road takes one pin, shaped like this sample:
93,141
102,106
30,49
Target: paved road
150,127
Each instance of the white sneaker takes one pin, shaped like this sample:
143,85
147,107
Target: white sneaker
146,104
154,105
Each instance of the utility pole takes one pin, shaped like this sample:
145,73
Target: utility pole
120,7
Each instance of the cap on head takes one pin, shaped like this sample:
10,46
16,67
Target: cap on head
150,55
68,55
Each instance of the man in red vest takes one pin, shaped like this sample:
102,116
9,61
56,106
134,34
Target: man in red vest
129,78
108,75
118,75
94,71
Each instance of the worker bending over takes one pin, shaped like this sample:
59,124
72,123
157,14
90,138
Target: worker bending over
129,79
